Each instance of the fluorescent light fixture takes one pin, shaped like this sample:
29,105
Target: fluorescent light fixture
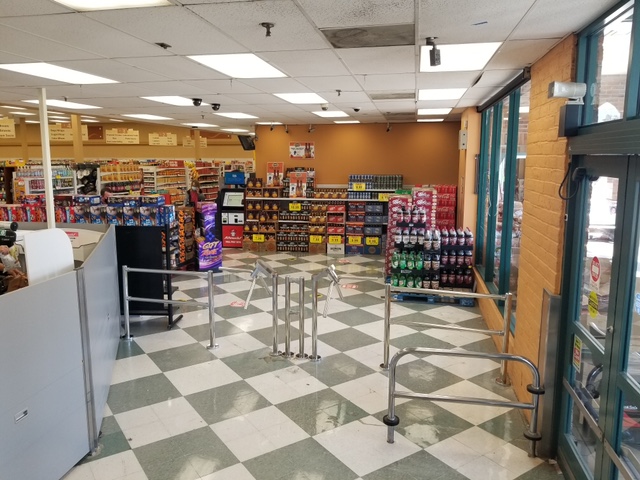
86,6
431,119
63,104
31,121
268,123
441,93
346,121
524,109
174,100
53,72
86,116
14,108
203,125
145,116
236,115
53,117
235,130
89,120
22,113
115,120
330,113
301,98
239,65
434,111
459,57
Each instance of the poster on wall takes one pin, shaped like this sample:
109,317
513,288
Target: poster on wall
191,142
7,128
124,136
297,184
164,139
302,150
63,132
275,174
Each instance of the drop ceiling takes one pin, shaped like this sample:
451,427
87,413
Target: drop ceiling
381,82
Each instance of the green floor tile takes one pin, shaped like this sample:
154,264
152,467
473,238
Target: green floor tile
416,321
140,393
419,466
544,471
128,348
254,363
488,381
509,426
354,317
484,346
265,335
423,377
226,311
222,329
336,369
362,300
179,357
347,339
419,340
228,401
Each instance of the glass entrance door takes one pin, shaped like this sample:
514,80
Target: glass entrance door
600,423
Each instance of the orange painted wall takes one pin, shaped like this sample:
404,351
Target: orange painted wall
422,152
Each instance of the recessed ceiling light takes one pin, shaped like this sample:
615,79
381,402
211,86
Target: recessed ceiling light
174,100
459,57
115,120
268,123
431,119
145,116
301,98
89,120
346,121
235,130
85,6
239,65
14,108
236,115
203,125
63,104
434,111
330,113
53,72
22,113
441,93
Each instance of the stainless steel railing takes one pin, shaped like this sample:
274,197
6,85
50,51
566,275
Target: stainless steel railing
504,333
331,273
261,271
392,420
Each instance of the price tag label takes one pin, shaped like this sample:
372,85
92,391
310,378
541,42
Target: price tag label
355,240
295,207
335,239
383,197
315,238
258,238
375,241
359,187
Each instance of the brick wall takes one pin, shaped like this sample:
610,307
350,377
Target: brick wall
543,220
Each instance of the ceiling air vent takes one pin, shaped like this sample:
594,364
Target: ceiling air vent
382,36
392,96
400,116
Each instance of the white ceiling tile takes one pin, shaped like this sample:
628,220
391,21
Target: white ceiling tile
174,67
359,13
396,105
92,36
478,94
256,98
112,69
242,20
497,78
276,85
223,86
195,35
341,82
14,8
520,53
387,83
6,57
554,19
306,64
355,98
447,79
455,22
38,48
369,61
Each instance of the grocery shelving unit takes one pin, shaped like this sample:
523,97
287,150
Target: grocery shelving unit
30,181
209,179
121,178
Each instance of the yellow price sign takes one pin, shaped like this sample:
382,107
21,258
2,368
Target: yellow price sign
315,238
355,240
383,197
359,187
335,239
375,241
295,207
258,238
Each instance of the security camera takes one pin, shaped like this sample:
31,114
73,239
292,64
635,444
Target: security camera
215,106
324,107
197,102
356,109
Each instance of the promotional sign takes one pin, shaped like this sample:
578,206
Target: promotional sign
232,236
275,174
297,184
302,150
7,128
63,132
190,142
164,139
577,353
123,136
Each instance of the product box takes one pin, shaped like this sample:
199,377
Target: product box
36,213
63,200
373,250
62,214
86,200
354,250
131,211
114,213
373,230
152,200
209,254
335,249
168,213
81,214
33,200
374,208
150,216
98,214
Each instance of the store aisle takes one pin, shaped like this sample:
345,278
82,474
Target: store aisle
179,411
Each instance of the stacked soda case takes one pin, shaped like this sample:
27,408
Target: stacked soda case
447,203
309,185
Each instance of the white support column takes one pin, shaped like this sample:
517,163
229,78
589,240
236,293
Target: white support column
46,158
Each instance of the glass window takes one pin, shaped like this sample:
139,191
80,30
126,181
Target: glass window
487,193
500,198
606,70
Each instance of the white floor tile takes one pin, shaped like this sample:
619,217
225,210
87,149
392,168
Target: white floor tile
463,367
253,322
134,367
239,286
370,393
452,314
362,445
396,310
202,376
146,434
482,468
453,453
336,306
325,325
514,459
473,414
236,472
235,344
454,337
115,466
196,317
479,440
164,340
81,472
285,384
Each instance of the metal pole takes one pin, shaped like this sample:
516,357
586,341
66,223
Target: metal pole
387,325
212,328
46,158
287,317
326,304
274,308
253,284
125,301
390,419
301,353
314,320
504,380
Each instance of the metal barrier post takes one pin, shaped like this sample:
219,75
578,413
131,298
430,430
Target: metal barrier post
274,307
314,357
212,328
503,379
287,318
301,353
125,300
387,325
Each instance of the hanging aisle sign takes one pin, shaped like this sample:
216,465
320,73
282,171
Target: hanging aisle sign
63,132
123,136
190,142
7,128
164,139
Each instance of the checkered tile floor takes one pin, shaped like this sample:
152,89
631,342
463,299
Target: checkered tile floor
177,410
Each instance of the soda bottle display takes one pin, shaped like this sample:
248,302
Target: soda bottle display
395,259
420,261
403,260
394,280
444,237
402,282
411,261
